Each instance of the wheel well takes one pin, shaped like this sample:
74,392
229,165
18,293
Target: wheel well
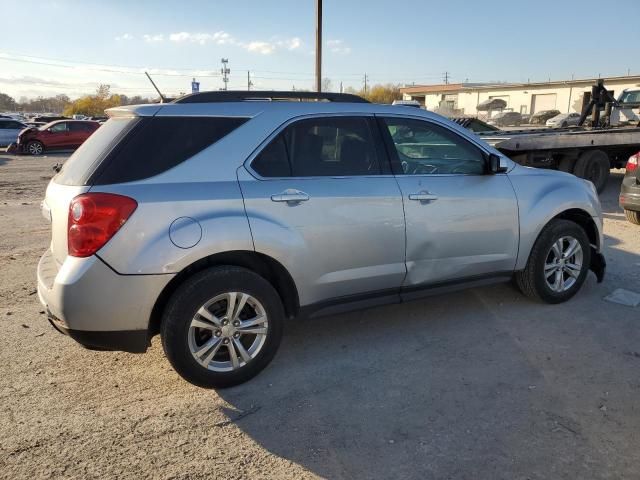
263,265
583,219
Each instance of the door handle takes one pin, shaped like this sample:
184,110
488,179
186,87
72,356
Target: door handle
423,197
290,196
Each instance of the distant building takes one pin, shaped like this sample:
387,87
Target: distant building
527,98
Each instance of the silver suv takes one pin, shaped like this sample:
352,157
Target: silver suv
212,219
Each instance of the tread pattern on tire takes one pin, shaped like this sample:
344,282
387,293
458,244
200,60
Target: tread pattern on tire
583,162
632,216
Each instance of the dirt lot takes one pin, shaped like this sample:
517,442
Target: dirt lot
481,384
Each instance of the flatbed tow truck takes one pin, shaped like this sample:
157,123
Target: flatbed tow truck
588,150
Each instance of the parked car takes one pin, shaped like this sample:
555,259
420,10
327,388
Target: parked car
630,190
506,119
540,118
474,124
212,219
564,120
9,130
58,135
48,118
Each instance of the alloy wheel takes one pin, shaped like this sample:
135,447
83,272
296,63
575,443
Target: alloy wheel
228,331
35,148
563,264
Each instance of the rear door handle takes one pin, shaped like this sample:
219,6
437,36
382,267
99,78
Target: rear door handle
423,197
290,196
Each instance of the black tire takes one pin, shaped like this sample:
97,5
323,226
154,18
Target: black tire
594,166
194,293
567,165
34,147
632,216
531,281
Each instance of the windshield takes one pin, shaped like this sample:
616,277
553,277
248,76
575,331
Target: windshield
45,126
630,97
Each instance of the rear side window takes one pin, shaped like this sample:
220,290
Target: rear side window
321,147
157,144
273,161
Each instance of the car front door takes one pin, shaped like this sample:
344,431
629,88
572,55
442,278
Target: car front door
462,222
322,201
58,135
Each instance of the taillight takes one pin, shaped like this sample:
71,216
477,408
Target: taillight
93,219
632,163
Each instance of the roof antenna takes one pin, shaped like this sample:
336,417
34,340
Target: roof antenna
163,99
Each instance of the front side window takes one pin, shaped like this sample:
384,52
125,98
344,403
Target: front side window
424,148
321,147
59,127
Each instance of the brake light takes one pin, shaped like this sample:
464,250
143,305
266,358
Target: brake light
632,163
93,219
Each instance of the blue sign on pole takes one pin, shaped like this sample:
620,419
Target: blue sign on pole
195,86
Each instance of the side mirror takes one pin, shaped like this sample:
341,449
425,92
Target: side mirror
495,164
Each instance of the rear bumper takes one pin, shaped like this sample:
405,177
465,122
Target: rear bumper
629,199
97,307
133,341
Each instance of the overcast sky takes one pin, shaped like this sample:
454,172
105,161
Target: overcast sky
71,46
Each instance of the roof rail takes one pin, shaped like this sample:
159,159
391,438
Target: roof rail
240,96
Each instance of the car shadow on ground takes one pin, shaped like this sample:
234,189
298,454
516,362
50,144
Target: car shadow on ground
455,386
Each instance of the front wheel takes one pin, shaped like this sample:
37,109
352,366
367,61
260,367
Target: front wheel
35,147
558,263
222,327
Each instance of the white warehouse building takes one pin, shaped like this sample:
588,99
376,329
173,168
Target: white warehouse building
526,98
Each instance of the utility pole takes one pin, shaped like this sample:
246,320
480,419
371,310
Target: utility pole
446,78
365,82
318,46
249,82
340,86
225,72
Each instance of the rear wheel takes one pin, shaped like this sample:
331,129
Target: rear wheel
35,147
567,165
558,263
632,216
594,166
222,327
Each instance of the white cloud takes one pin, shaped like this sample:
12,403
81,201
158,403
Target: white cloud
153,38
124,36
265,48
219,38
291,43
224,38
339,47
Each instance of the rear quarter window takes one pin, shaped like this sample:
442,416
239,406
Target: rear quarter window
78,168
156,144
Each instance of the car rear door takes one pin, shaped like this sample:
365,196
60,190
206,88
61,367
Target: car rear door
321,200
462,222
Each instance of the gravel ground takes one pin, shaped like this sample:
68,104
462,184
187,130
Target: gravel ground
478,384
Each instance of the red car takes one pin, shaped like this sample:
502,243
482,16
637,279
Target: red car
58,135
